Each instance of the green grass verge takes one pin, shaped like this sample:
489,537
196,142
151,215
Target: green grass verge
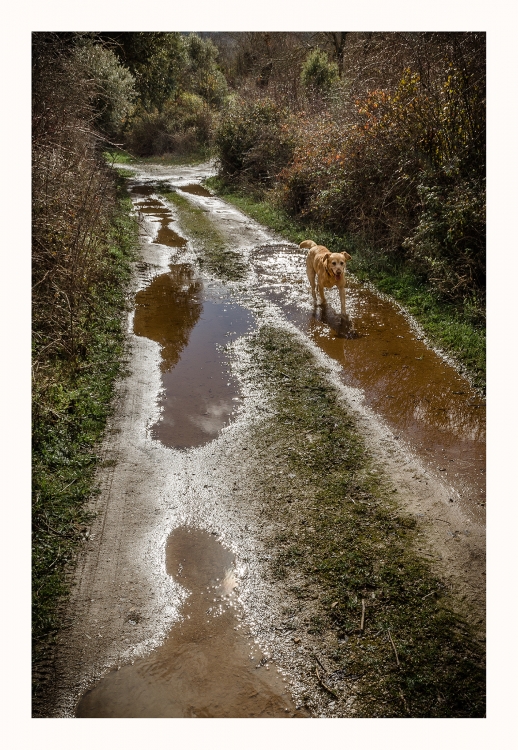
191,159
120,156
70,405
451,329
339,524
214,253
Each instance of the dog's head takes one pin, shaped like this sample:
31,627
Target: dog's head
336,264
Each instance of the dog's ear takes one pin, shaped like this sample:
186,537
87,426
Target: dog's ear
346,255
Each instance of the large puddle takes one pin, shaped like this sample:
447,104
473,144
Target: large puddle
198,396
192,325
150,206
209,665
421,397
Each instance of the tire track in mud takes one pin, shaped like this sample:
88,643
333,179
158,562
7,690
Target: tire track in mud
126,601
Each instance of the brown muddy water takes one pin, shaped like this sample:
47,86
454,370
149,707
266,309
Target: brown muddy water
157,210
422,398
199,396
209,665
196,190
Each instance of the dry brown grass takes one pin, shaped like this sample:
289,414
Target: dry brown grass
73,198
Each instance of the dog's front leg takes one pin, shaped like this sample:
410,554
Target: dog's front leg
342,301
321,293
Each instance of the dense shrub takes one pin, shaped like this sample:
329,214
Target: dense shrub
183,126
339,178
404,169
114,86
447,243
254,141
157,60
203,76
318,73
180,89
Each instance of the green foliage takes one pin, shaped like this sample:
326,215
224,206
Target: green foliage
203,76
180,89
157,60
318,73
114,85
118,156
254,141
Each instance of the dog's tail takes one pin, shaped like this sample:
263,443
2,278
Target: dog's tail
307,245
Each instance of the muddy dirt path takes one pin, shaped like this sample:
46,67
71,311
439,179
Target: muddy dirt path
171,607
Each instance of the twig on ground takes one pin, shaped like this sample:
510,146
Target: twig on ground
67,486
54,531
319,662
323,684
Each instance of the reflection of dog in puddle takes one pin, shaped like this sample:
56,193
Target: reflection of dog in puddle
325,270
341,325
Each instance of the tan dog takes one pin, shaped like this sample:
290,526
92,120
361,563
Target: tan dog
328,270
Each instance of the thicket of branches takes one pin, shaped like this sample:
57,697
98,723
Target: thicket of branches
73,195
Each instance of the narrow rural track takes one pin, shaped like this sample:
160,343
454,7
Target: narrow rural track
173,611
